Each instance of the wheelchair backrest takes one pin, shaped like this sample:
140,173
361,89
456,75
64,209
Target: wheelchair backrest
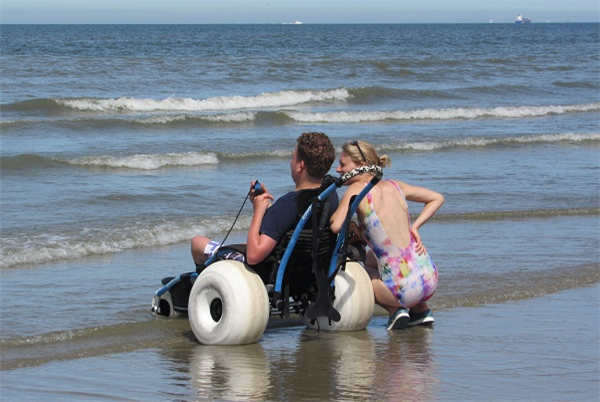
315,241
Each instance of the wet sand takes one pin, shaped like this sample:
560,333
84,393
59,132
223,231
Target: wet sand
535,349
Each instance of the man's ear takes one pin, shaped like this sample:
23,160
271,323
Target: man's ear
302,166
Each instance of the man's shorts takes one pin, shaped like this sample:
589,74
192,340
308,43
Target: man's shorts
213,246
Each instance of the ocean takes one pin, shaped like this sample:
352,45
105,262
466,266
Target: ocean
119,143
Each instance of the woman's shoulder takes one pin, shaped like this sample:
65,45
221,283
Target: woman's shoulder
356,187
353,189
398,185
396,181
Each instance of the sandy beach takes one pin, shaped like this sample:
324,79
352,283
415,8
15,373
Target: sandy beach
532,349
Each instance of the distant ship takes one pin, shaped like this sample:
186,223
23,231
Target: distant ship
522,20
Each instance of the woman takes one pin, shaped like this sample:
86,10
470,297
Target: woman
402,273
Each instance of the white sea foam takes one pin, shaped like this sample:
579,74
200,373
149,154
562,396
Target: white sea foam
265,100
439,114
215,118
147,162
44,248
165,119
158,161
483,142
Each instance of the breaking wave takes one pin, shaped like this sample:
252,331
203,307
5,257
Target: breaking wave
487,141
170,115
147,162
43,248
191,159
439,114
265,100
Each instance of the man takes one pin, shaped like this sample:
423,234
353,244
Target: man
311,161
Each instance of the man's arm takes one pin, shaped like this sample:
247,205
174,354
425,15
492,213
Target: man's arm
259,246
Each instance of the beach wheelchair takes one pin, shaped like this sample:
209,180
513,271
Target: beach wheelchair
229,302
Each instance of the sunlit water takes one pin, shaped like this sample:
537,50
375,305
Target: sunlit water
119,143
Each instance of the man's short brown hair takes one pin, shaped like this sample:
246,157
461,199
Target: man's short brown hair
317,152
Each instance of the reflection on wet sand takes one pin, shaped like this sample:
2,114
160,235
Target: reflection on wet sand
232,373
327,365
299,364
405,366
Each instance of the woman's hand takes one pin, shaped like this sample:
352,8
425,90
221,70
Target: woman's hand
419,247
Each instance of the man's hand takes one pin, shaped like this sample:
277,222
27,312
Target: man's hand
260,196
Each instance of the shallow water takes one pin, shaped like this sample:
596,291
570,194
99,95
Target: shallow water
120,143
536,349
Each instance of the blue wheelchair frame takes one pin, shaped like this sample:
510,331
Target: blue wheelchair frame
339,252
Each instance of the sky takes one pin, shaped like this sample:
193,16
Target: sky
285,11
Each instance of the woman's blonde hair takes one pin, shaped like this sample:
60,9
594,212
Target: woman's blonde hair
361,151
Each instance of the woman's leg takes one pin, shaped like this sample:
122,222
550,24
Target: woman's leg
383,296
419,308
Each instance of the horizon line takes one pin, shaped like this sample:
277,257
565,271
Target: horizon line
288,23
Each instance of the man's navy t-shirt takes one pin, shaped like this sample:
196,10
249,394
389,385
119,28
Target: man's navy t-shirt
282,215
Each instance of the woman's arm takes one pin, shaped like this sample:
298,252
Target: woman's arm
432,200
337,219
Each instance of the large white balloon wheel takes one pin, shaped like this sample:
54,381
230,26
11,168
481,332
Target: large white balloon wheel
228,305
354,299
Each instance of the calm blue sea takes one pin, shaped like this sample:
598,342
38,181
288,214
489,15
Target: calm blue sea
121,142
